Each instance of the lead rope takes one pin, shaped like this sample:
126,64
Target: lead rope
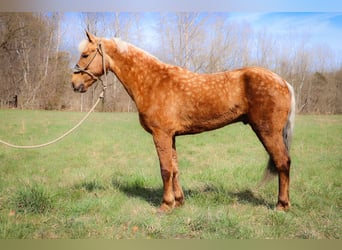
101,96
60,137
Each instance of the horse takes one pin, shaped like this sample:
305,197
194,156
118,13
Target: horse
173,101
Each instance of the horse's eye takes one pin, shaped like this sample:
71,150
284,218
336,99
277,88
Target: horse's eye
84,55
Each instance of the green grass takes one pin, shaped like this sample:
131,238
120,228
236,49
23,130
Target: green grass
103,181
31,200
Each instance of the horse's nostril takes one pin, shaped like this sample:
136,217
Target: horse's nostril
81,88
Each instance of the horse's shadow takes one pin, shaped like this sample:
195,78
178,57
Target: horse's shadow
153,195
150,194
248,197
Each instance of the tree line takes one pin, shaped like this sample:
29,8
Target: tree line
35,71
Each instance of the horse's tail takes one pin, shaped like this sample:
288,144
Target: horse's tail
288,129
271,169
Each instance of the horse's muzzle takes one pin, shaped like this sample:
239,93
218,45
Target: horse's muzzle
80,88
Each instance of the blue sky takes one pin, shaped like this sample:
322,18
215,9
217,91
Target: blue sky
321,28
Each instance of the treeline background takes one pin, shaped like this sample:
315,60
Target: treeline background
36,67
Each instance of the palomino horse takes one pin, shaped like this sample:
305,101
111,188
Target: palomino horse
174,101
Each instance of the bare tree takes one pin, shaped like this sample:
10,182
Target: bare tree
182,36
28,50
229,45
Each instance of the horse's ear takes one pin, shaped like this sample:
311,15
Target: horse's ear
91,37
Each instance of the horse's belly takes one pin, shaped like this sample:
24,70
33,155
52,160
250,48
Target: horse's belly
201,122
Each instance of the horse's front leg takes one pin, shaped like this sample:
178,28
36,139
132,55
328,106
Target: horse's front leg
163,143
177,189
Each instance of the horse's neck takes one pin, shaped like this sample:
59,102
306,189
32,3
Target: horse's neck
135,68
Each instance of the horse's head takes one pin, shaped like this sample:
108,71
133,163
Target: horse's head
90,66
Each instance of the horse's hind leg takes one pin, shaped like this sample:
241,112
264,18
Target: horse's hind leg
275,146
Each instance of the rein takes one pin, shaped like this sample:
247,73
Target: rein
77,69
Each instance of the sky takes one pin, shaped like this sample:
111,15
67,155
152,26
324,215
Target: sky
323,28
320,28
320,20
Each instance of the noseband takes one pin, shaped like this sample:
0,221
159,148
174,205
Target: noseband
78,69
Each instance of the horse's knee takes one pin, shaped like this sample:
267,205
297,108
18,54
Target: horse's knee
166,174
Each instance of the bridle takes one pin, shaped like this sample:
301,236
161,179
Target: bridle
77,69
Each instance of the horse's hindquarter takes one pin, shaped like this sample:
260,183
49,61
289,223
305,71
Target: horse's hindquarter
268,95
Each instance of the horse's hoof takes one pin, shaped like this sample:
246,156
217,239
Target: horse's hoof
164,208
179,203
283,206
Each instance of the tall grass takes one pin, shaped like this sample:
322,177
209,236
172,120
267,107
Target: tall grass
103,181
31,200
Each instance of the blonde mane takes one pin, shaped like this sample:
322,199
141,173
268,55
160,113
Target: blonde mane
122,46
83,44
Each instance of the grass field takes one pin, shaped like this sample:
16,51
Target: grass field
103,181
